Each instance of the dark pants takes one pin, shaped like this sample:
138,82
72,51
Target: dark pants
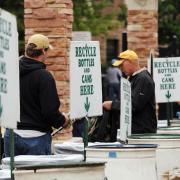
78,128
28,146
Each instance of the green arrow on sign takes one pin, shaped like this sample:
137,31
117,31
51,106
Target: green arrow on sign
87,104
1,108
168,95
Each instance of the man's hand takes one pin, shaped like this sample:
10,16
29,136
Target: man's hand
67,121
107,105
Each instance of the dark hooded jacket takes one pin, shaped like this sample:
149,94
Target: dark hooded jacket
143,103
39,102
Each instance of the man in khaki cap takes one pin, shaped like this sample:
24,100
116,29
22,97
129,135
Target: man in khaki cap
39,102
143,94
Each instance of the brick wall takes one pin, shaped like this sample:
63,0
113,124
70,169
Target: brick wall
142,27
53,18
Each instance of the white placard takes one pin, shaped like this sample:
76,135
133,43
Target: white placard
166,74
9,71
81,36
126,110
85,79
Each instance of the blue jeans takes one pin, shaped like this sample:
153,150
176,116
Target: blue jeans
28,146
114,91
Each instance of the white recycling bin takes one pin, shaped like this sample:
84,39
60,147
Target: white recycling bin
55,167
5,174
126,162
175,122
167,153
69,171
169,130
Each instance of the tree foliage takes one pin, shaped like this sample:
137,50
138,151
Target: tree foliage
169,20
16,7
89,16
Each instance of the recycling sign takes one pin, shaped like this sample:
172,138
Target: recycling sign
9,71
126,110
85,79
166,74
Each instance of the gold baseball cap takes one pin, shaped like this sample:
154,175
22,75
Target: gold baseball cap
41,41
128,54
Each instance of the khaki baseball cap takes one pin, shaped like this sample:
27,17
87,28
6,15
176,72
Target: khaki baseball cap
128,54
41,41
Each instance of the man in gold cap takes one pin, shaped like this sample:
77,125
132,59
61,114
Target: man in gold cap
39,102
143,94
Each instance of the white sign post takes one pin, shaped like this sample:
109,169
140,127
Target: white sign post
166,74
9,71
126,110
85,79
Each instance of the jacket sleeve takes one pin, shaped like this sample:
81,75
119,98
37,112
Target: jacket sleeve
116,105
141,93
49,101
